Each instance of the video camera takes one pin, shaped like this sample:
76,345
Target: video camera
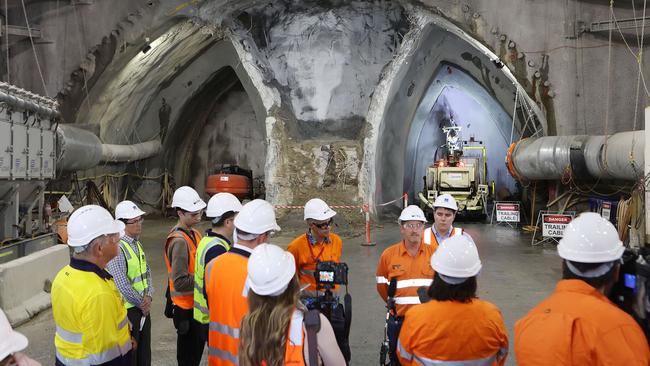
631,293
329,274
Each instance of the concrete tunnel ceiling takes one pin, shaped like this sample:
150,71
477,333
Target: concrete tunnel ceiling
301,85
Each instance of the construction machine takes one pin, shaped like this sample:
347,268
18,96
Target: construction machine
460,173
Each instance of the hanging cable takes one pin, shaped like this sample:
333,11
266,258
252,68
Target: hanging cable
31,40
514,113
7,41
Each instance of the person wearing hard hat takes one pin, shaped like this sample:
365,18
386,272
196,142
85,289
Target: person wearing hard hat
180,253
132,277
577,324
222,209
455,326
11,342
444,213
318,244
276,313
406,265
92,327
226,288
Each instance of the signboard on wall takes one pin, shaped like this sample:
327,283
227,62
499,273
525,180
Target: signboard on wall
507,211
553,225
606,210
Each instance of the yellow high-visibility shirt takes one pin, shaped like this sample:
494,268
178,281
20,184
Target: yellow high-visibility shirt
91,322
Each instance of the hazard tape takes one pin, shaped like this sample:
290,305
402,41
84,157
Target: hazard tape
362,206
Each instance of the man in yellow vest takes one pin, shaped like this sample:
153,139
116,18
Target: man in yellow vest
222,209
444,214
92,327
180,253
132,277
225,281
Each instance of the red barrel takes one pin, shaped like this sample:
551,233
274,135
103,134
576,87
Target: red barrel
238,185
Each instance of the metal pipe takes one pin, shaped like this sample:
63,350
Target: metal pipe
619,156
79,149
128,153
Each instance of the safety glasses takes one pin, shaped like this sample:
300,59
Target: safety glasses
323,225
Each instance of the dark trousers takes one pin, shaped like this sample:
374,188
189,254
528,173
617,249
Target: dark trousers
142,355
190,341
394,326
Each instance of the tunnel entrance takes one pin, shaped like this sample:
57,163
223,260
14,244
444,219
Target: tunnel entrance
218,127
455,98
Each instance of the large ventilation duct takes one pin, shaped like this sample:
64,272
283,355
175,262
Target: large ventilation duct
80,149
619,156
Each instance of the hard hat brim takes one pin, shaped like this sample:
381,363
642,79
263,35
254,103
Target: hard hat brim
15,342
115,227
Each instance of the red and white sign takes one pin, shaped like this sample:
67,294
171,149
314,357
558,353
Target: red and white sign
507,212
553,225
606,210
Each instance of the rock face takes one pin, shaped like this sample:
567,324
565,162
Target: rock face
321,97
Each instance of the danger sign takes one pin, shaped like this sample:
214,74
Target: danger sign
553,224
606,210
507,212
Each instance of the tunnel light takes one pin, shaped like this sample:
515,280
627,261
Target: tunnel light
441,164
461,164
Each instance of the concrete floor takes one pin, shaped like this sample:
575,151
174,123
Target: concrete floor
515,277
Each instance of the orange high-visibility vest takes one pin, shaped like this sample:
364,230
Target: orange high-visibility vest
306,255
578,325
227,293
294,350
410,272
429,237
182,299
453,333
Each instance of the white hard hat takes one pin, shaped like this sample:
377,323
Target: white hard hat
127,210
89,222
10,340
187,199
446,201
270,269
221,203
317,209
457,257
256,217
590,238
412,213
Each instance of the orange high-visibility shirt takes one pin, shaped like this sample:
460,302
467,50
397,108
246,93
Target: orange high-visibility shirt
306,256
411,273
578,325
227,294
455,333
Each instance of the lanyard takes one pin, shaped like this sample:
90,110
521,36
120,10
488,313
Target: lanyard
317,257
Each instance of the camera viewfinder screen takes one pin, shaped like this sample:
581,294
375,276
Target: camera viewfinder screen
326,276
630,280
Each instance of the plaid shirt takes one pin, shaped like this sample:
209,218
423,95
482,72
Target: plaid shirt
118,268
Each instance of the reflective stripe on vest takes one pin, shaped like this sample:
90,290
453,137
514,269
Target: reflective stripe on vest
83,336
200,303
429,236
182,299
97,358
413,282
487,361
136,269
294,349
407,300
225,285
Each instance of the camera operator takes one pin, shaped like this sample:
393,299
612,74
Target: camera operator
317,254
577,324
407,263
318,244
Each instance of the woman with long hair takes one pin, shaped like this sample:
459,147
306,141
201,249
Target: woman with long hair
273,332
455,326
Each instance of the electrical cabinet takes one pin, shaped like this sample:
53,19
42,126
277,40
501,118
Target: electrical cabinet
34,153
5,150
19,157
48,154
